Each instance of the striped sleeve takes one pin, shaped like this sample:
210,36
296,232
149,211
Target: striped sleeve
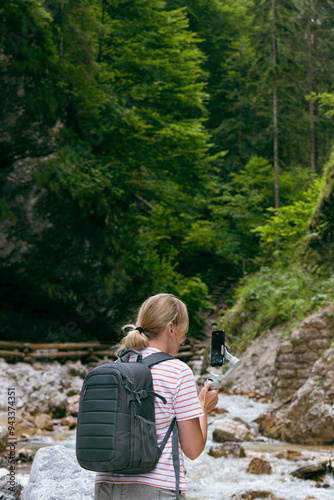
186,403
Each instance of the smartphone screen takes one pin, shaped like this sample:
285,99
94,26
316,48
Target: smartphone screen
217,341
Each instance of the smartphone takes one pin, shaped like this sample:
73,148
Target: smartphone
217,342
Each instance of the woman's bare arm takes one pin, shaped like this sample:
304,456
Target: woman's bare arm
193,432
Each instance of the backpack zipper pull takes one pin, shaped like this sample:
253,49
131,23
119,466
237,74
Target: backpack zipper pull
137,397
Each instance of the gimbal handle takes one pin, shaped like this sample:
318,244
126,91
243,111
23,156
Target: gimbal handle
217,379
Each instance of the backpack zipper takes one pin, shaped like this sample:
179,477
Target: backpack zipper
133,408
97,387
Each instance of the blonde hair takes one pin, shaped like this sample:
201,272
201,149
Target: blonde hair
153,316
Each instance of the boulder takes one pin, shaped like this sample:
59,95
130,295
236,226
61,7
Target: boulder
69,421
14,493
44,421
232,430
254,495
218,411
56,475
227,450
259,466
289,455
3,438
312,471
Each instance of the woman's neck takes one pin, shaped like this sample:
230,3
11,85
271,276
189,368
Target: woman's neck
158,344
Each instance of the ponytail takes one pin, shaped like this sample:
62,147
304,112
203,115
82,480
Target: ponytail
134,339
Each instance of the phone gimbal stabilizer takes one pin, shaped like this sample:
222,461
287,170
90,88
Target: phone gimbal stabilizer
217,379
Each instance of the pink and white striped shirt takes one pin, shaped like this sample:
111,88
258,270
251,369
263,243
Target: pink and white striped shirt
175,381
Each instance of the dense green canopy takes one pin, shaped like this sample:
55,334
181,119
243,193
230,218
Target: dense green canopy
146,127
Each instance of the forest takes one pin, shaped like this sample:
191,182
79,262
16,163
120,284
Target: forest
150,146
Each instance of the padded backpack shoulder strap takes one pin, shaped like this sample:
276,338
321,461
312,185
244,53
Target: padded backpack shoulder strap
151,360
156,357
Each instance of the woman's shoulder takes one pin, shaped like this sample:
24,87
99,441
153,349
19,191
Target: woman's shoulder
177,364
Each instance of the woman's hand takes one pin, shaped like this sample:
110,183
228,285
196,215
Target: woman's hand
208,399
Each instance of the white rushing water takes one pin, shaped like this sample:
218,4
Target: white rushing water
211,478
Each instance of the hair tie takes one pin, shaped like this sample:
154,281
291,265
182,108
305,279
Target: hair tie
139,329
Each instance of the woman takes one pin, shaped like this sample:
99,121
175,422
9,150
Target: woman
162,324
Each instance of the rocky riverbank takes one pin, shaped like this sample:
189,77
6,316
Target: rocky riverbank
296,372
46,395
298,368
238,464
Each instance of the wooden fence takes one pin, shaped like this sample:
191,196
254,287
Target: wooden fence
85,351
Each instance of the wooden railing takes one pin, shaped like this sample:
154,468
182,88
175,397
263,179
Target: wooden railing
85,351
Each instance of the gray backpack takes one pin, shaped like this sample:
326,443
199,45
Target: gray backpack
116,429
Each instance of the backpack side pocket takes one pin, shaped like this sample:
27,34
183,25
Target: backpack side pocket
145,447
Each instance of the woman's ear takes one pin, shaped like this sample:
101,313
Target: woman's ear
171,329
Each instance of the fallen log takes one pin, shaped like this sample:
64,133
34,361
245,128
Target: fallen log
69,354
8,345
11,354
87,351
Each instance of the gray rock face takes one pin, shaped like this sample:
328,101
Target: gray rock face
298,374
56,475
19,134
309,416
256,370
296,357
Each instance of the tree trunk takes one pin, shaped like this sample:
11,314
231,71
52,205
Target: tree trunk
99,57
61,41
310,89
275,127
240,118
61,46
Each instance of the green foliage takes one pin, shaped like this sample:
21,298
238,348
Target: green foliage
237,208
92,183
274,296
281,236
325,99
165,145
319,245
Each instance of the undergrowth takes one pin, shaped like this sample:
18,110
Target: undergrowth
275,296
